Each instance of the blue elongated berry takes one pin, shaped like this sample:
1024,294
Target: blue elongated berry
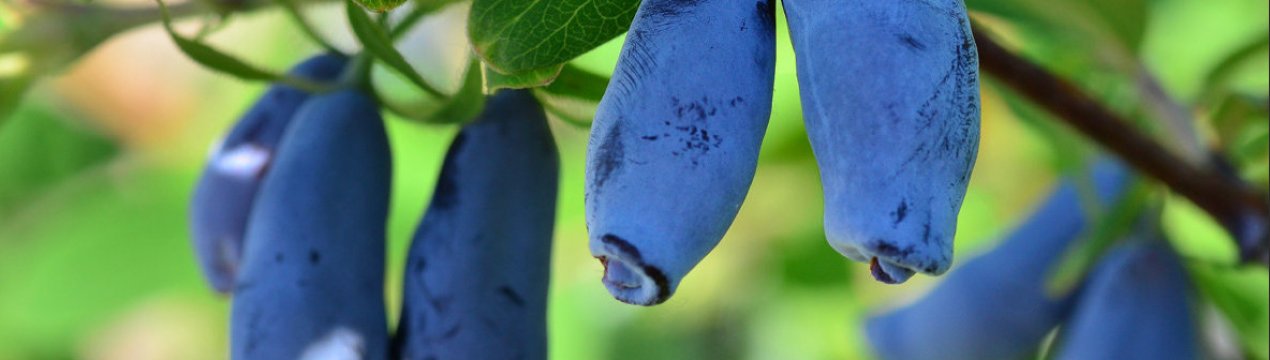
996,306
1134,307
676,139
312,279
477,272
890,97
221,203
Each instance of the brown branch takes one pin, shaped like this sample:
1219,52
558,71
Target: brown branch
1239,207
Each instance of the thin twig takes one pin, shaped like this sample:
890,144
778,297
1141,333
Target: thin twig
296,14
1239,207
418,10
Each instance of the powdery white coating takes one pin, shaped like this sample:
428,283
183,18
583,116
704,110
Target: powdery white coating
222,200
676,139
1135,306
315,247
244,162
890,97
477,273
996,305
340,344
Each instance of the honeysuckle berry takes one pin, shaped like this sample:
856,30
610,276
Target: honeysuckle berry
222,200
312,279
996,306
890,98
675,140
477,273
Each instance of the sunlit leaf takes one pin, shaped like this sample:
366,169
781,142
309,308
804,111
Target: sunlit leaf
1195,234
1214,81
495,80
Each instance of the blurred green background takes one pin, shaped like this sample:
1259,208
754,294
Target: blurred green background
98,163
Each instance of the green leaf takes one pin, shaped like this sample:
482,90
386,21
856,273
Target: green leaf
11,91
1022,12
1240,294
573,96
39,148
464,105
521,35
84,262
212,58
566,109
577,83
1220,74
1125,19
377,42
380,6
1235,117
1239,122
459,108
1195,234
1117,24
495,80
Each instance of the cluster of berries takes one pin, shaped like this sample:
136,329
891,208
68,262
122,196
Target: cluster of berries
289,217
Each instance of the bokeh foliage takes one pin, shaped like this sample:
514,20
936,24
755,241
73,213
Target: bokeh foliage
94,255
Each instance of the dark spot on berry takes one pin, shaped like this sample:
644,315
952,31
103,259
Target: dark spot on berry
911,42
886,249
900,212
631,253
446,194
668,9
452,332
879,273
511,295
926,233
609,157
663,285
440,303
766,11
